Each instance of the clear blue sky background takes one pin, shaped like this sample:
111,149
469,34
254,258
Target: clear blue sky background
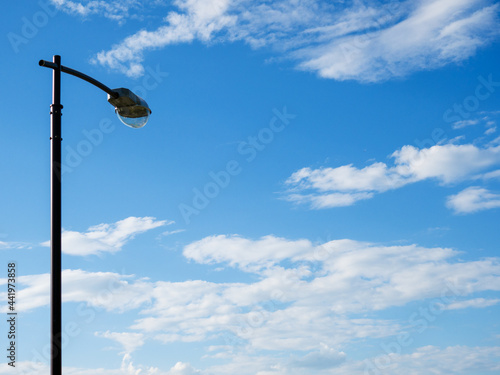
316,192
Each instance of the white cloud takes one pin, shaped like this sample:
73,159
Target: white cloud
432,34
108,238
200,20
448,163
376,177
451,360
127,368
323,359
475,303
244,253
473,199
329,200
104,290
491,175
117,10
345,185
129,340
463,123
14,245
170,232
310,299
318,290
487,119
364,42
181,368
490,130
343,276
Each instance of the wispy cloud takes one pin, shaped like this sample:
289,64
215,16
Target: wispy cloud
170,232
197,19
443,361
345,185
352,277
490,130
305,297
474,303
117,10
130,341
323,359
127,367
103,290
106,238
487,119
360,41
14,245
431,34
328,200
463,123
473,199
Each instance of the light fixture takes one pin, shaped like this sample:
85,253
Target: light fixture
131,109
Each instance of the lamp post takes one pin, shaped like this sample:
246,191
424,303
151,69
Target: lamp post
132,111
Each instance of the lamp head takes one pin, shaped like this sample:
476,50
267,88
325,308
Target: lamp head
131,109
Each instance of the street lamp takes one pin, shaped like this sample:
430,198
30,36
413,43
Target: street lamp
133,111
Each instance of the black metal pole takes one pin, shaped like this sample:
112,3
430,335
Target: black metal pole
55,203
55,221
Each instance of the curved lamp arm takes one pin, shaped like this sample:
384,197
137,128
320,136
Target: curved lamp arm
78,74
131,109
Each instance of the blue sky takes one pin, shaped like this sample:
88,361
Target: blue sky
316,192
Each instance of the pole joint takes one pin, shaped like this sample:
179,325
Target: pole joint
55,109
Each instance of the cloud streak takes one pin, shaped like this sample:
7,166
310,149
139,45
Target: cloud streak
130,341
359,41
447,164
103,290
106,238
14,245
432,33
117,10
